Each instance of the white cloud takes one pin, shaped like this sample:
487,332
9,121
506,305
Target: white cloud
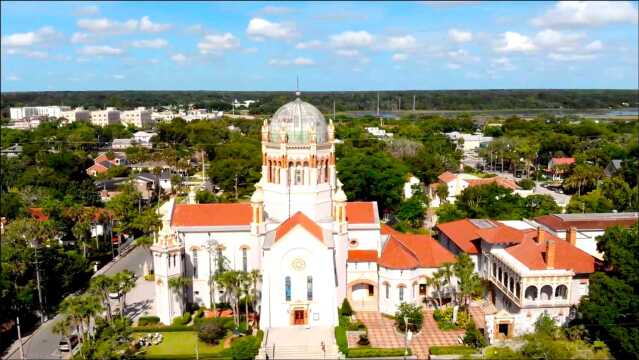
443,3
462,56
588,13
212,44
348,53
556,39
153,61
251,50
146,25
13,77
43,35
119,77
32,54
99,50
299,61
179,58
106,26
460,36
453,66
400,57
594,46
259,29
570,57
275,10
503,64
312,44
87,11
352,39
152,43
80,38
515,42
405,42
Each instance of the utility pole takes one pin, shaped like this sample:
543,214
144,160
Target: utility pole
413,103
377,104
37,264
334,119
20,338
399,104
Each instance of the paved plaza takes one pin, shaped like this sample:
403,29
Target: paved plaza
382,333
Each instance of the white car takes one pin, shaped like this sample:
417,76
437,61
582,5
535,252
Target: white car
114,296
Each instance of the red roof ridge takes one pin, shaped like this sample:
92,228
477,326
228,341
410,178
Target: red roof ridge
218,214
299,218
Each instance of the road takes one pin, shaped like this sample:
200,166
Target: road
43,343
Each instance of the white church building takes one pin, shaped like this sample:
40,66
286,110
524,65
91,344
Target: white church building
312,247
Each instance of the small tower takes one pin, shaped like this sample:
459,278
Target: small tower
167,253
257,205
339,204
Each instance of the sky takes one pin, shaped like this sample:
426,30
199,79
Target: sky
335,46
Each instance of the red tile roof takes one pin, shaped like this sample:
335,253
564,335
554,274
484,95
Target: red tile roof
500,181
212,214
362,255
410,251
569,257
360,212
447,177
562,161
501,234
556,223
302,220
38,214
462,233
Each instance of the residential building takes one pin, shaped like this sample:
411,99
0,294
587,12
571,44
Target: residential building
613,168
108,116
103,163
469,142
379,133
121,144
410,185
148,185
27,123
140,118
12,151
19,113
457,183
583,229
77,114
165,179
558,166
143,138
529,270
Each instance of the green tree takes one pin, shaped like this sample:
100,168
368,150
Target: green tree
583,177
125,207
447,271
236,166
101,286
474,338
593,202
231,282
442,192
179,285
123,282
436,282
411,211
411,313
205,197
538,205
619,193
467,279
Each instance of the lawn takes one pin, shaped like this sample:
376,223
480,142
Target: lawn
182,345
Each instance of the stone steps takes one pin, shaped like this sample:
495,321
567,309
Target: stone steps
298,352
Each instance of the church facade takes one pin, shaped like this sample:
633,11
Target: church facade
312,247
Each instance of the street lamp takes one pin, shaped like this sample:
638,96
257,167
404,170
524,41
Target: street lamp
211,245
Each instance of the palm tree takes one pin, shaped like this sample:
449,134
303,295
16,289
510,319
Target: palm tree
81,309
123,282
245,282
63,328
255,277
80,229
437,281
101,285
179,284
447,274
231,282
469,282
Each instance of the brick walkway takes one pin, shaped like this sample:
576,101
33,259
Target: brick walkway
381,333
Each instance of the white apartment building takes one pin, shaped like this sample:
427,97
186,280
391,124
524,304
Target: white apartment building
143,138
140,117
19,113
77,114
105,117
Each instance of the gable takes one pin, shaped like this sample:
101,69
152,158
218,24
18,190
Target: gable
299,220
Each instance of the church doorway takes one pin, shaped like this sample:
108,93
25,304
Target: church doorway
299,316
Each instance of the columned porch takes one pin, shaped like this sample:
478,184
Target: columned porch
362,295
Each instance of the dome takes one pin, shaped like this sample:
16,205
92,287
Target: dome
299,119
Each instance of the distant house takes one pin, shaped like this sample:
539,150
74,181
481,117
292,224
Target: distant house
557,166
38,214
147,184
469,142
103,163
409,187
613,168
121,144
12,151
149,165
100,222
109,188
459,182
143,138
165,181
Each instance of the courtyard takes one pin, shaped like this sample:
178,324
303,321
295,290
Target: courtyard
182,344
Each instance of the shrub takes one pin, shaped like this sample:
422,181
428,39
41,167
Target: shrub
341,340
244,328
149,277
527,184
505,352
473,337
148,320
376,352
355,325
162,328
413,313
182,320
245,348
452,350
444,318
211,331
363,340
346,309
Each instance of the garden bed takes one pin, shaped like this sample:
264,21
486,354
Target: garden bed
444,318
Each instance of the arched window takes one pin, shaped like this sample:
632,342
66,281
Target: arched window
387,290
244,259
531,293
195,264
561,292
494,270
309,288
518,290
546,293
505,282
401,293
287,288
511,285
499,276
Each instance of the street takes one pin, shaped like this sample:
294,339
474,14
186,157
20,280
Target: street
43,343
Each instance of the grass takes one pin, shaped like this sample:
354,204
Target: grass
182,345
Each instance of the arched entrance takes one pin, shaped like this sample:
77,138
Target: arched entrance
362,295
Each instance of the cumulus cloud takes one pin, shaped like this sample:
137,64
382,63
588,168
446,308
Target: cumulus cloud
462,56
399,57
348,52
405,42
299,61
352,39
179,58
460,36
214,44
594,46
152,43
514,42
146,25
13,77
44,35
119,77
556,39
32,54
100,50
570,57
259,29
86,11
81,38
312,44
588,13
453,66
502,64
107,26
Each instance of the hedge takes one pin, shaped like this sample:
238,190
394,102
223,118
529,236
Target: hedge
148,320
182,320
172,328
365,352
340,338
452,350
224,354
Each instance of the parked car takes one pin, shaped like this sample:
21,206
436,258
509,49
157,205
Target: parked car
114,296
68,344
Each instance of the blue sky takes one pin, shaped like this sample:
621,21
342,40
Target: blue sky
331,46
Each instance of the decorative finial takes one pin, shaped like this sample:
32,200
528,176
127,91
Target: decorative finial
297,91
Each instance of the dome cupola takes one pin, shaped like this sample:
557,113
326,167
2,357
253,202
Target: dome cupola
300,122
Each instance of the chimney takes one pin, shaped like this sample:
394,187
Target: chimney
571,236
540,235
550,254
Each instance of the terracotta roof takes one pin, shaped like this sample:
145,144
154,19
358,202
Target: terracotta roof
38,214
212,214
593,222
410,251
501,234
302,220
447,177
362,255
569,257
462,233
360,212
98,167
562,161
500,181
